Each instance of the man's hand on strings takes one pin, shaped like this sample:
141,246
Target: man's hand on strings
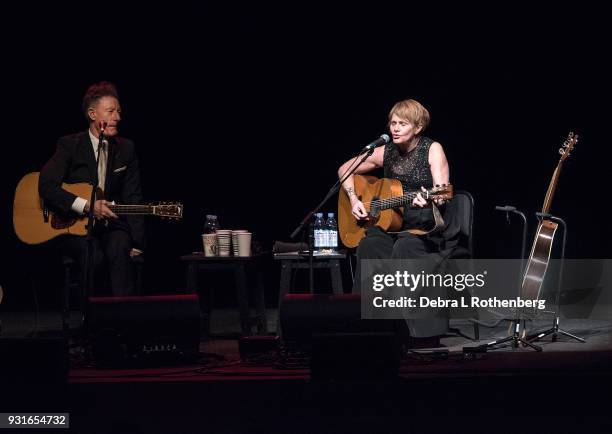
101,210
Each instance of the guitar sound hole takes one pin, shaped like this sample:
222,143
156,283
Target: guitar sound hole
58,222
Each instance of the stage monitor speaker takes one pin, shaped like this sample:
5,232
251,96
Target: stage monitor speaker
160,329
341,344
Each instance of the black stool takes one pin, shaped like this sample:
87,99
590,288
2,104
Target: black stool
197,262
293,261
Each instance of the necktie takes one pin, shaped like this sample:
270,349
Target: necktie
102,164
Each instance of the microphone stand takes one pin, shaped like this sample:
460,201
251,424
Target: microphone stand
367,152
89,248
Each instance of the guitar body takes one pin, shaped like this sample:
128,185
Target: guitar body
35,225
368,188
538,260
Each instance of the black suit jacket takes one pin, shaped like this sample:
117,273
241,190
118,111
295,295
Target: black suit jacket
75,161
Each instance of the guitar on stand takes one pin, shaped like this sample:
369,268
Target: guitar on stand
536,267
542,246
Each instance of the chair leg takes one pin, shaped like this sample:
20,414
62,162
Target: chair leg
66,299
137,266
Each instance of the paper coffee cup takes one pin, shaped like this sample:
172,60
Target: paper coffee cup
244,243
210,244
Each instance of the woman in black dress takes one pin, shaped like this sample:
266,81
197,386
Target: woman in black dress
417,162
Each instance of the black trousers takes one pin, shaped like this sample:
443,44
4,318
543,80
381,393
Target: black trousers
380,245
111,260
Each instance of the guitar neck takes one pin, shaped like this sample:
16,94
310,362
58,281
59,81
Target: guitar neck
397,201
551,189
131,209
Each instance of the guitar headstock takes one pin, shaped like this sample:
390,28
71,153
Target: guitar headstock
568,145
444,191
168,209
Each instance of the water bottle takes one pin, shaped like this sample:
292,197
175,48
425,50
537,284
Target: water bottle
332,233
319,228
211,225
324,237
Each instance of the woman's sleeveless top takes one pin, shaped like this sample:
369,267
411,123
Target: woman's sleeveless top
413,171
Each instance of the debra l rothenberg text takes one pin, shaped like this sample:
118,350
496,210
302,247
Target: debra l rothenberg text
438,302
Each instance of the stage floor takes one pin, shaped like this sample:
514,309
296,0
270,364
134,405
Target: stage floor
506,391
220,358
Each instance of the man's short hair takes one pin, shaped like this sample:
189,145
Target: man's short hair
97,91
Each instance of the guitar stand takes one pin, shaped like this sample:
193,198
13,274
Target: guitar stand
515,338
555,330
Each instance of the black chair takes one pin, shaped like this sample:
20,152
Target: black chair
463,202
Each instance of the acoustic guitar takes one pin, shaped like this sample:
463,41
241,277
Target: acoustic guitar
383,200
542,244
36,224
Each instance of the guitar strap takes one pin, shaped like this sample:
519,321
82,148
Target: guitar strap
439,223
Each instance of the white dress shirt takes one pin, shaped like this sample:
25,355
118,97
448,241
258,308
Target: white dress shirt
79,203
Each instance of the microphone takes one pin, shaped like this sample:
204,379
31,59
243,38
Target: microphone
102,137
382,140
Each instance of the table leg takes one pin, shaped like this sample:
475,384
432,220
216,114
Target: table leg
243,300
285,281
192,278
205,300
260,305
336,276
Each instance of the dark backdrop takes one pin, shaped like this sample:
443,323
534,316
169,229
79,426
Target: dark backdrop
247,113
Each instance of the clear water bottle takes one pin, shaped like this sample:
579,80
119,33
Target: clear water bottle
211,225
332,232
319,232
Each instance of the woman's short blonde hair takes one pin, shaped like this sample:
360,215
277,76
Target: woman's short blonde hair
412,111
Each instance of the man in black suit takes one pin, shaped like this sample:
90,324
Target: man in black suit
116,239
